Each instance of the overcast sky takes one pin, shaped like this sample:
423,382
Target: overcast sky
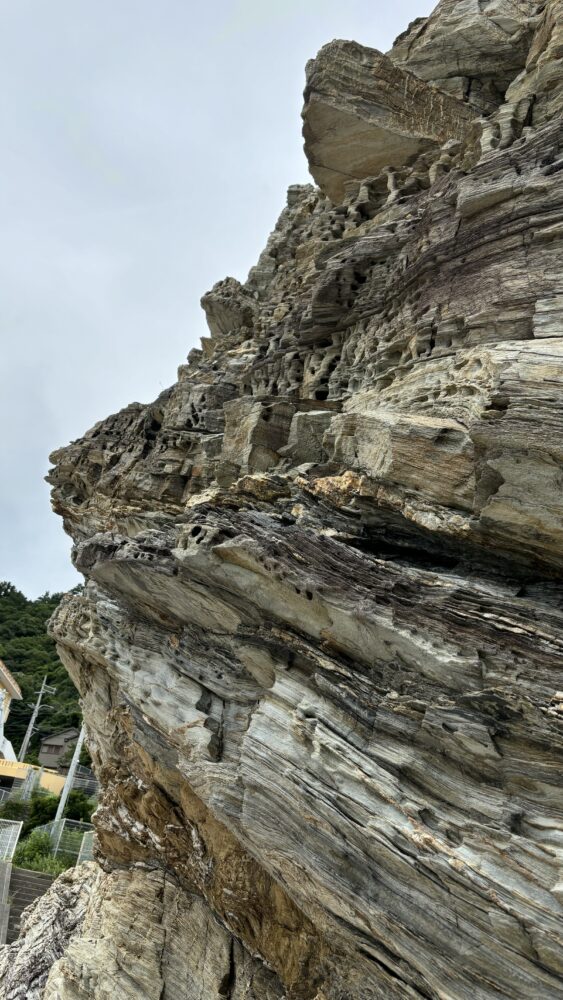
146,149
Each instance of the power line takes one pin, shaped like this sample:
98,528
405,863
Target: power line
31,727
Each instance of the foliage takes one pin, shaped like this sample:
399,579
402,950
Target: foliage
79,806
34,853
41,809
36,811
14,809
72,841
30,654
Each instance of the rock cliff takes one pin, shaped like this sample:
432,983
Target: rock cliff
319,649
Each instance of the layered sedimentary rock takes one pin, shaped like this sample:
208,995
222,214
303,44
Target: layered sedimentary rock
471,48
364,114
47,926
319,649
143,936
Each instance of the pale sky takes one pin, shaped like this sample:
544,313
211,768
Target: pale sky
146,151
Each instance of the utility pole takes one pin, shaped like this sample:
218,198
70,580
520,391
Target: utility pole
70,776
29,731
29,784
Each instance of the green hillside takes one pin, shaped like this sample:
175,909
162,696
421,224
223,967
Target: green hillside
30,654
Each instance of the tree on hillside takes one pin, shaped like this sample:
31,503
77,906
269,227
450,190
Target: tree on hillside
30,654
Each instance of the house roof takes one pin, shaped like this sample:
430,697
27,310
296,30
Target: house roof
9,683
60,732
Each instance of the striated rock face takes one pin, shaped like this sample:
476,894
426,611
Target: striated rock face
145,937
471,48
363,114
47,927
320,646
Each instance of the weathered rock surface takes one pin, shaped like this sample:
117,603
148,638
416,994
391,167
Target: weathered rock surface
47,927
320,647
363,114
145,937
471,48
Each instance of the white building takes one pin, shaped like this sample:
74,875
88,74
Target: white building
9,689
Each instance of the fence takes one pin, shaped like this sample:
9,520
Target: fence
86,848
16,772
22,789
67,835
85,781
9,835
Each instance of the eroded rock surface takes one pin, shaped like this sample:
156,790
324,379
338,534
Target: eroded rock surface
364,114
320,645
471,48
48,925
145,937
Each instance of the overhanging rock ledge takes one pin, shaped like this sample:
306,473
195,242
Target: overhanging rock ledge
319,648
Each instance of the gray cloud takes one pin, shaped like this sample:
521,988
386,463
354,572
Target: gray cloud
146,149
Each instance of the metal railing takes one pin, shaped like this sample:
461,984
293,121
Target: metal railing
66,835
22,789
9,835
85,781
86,852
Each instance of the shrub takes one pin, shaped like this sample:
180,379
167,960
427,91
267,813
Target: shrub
79,806
41,810
14,810
35,854
36,811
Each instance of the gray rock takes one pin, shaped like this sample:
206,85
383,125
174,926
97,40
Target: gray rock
470,48
363,113
320,654
144,937
48,926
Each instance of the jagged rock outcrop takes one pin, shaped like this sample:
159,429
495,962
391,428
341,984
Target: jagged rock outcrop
47,928
143,936
319,649
471,48
364,114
